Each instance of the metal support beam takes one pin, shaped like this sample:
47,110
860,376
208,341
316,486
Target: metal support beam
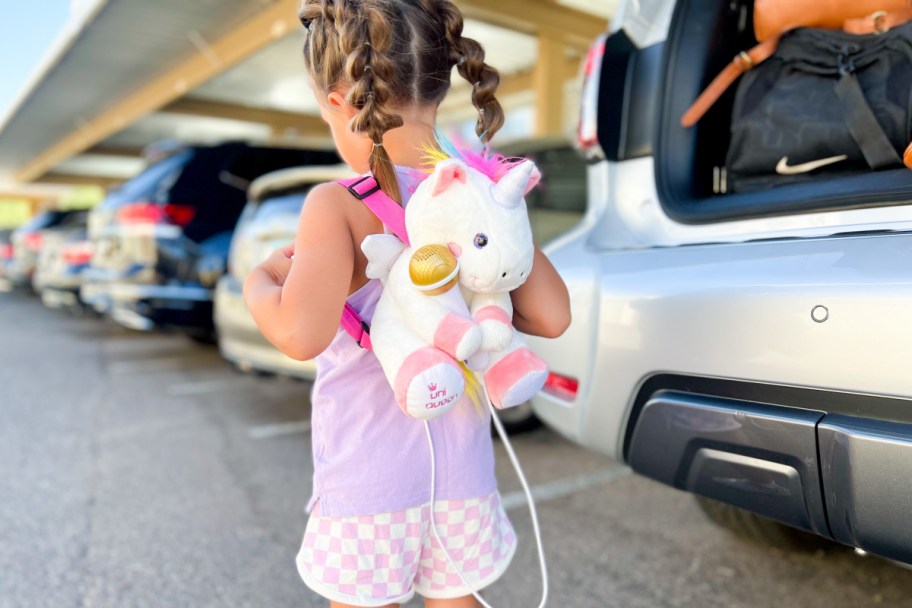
509,85
118,152
302,124
548,79
575,28
81,180
270,24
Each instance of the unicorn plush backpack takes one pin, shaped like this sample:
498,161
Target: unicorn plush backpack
462,244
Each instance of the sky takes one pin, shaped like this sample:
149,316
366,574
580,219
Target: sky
27,30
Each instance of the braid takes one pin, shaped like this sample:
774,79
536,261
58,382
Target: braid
390,54
470,64
366,40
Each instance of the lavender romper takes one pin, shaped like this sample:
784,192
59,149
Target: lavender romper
369,540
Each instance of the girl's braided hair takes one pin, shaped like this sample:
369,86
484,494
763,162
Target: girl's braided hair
391,54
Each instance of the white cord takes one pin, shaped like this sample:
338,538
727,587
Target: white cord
529,499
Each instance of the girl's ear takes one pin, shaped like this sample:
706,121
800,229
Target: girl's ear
335,101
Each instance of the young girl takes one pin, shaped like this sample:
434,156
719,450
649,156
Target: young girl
379,69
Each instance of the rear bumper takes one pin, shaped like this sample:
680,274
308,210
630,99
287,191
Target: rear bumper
140,306
242,343
838,476
60,297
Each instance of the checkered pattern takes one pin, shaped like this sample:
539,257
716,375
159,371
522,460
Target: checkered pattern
382,559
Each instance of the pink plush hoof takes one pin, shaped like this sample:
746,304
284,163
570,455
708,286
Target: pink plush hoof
428,384
516,378
458,336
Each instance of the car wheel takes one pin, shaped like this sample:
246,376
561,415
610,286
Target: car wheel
518,419
760,529
203,336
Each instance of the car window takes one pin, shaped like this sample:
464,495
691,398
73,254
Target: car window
41,220
563,185
151,184
73,219
281,205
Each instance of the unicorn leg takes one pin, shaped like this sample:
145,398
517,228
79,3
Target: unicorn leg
429,383
515,375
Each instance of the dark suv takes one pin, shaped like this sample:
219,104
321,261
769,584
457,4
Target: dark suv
161,241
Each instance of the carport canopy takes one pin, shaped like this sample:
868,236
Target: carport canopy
128,73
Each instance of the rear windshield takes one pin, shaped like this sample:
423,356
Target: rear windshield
50,219
154,182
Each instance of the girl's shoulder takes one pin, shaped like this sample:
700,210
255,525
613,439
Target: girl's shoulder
332,202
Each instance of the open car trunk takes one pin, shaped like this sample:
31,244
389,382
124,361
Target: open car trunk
703,37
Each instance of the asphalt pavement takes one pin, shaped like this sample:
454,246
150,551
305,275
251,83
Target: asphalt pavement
141,470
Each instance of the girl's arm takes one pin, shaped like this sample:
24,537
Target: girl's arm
541,305
297,303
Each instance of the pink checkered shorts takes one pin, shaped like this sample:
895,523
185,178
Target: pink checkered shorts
383,559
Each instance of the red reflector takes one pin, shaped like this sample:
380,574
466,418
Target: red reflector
560,386
180,214
77,254
141,213
596,51
33,240
152,213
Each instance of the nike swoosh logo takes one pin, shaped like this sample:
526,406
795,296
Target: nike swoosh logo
783,168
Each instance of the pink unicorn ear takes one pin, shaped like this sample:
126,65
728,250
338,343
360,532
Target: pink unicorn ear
445,173
534,178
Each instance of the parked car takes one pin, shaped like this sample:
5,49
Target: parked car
555,206
750,348
45,229
268,222
6,256
161,241
60,271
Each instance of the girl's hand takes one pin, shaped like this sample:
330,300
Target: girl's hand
278,265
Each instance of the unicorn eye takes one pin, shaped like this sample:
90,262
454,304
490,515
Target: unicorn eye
481,240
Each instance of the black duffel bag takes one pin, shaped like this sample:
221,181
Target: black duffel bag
826,103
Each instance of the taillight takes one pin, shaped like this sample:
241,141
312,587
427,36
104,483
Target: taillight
587,133
563,387
152,213
6,251
77,254
33,240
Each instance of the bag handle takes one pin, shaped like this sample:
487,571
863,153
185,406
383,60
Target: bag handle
863,126
878,23
742,62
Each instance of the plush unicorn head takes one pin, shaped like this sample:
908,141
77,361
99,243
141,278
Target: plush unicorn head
484,223
424,340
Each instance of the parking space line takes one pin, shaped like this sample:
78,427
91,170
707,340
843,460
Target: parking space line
188,389
142,366
564,487
268,431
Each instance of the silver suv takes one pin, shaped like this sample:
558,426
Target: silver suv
751,348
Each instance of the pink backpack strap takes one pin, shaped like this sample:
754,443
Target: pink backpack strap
355,326
367,190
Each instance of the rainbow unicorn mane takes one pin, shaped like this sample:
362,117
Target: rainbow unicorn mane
493,166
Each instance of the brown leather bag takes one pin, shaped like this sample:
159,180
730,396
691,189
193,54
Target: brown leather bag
772,18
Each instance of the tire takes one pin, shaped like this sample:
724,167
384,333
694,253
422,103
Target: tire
759,529
203,336
518,419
